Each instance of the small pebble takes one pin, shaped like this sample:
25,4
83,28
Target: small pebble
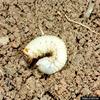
86,91
1,96
4,40
15,45
97,92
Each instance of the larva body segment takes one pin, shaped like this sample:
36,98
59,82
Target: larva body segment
42,45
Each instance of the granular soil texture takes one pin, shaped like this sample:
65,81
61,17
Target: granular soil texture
19,24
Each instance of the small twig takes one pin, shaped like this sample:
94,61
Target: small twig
89,9
41,30
70,20
2,73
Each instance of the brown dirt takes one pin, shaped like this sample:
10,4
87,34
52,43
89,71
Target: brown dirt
19,21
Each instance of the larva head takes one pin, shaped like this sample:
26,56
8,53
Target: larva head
28,55
44,65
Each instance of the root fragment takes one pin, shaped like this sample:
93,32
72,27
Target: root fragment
70,20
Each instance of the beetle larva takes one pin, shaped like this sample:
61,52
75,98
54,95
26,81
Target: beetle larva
47,44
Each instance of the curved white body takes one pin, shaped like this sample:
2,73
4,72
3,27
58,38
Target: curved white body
47,44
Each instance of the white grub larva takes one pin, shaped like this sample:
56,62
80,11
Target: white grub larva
47,44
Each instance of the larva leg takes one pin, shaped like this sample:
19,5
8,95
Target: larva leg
42,45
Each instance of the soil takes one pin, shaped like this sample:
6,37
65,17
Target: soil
19,24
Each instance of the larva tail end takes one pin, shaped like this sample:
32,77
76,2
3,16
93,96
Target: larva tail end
44,65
